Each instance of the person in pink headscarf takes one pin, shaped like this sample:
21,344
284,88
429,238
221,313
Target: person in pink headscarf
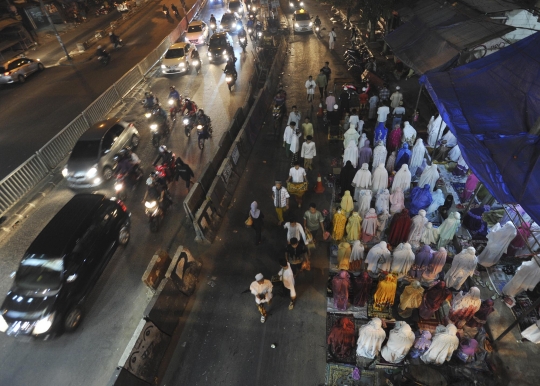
365,154
340,289
397,201
470,186
394,138
369,226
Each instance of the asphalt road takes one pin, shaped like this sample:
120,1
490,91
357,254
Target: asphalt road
34,112
88,356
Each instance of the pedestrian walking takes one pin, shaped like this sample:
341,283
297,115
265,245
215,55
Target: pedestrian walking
397,114
182,170
322,82
384,93
313,220
295,255
332,36
287,277
280,197
257,221
373,106
307,128
288,134
294,116
262,289
327,71
330,101
344,101
395,98
295,231
354,34
308,152
310,87
297,178
294,147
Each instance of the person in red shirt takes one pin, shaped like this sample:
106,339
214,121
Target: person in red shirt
363,98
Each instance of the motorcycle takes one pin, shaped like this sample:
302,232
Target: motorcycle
188,124
213,27
243,43
155,214
196,65
165,11
131,178
174,108
102,10
202,135
176,13
167,169
104,59
230,78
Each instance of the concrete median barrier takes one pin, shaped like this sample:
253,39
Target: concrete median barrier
184,271
156,269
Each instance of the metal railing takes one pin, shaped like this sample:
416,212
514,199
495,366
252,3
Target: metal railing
19,182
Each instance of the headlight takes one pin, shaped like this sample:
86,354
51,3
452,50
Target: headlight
310,23
186,121
234,24
3,324
195,62
199,127
228,78
118,187
212,25
43,325
65,172
301,3
238,27
253,8
317,29
148,115
250,30
291,4
163,66
171,102
209,53
182,64
97,181
91,173
242,40
296,25
224,52
259,33
153,127
150,204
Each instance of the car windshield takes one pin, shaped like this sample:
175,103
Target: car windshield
174,53
194,28
302,16
234,4
218,42
38,273
85,150
228,17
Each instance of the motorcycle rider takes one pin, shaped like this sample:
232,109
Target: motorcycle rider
150,100
230,69
165,10
175,10
204,121
195,56
230,53
189,106
175,95
115,39
242,34
100,52
213,21
258,28
250,23
165,156
157,190
317,21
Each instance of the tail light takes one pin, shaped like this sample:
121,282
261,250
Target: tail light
122,205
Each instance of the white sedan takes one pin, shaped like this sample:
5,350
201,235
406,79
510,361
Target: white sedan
197,32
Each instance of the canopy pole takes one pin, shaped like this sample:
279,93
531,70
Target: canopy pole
473,196
418,99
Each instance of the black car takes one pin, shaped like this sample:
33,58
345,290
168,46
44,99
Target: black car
216,2
229,23
236,7
217,47
62,265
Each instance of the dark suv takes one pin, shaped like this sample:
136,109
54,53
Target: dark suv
217,47
62,265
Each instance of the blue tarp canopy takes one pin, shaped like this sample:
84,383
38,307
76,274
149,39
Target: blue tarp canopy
492,106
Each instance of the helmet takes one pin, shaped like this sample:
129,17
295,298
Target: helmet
171,88
186,99
162,149
99,47
149,181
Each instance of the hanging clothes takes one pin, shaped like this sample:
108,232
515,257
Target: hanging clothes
346,177
386,291
362,179
379,180
463,266
403,157
421,262
417,156
479,319
379,155
340,290
402,260
499,238
383,201
382,220
397,199
420,199
464,306
369,226
442,347
351,154
380,133
378,258
370,339
433,299
431,235
347,204
341,338
526,278
339,222
418,226
410,299
437,201
400,341
357,257
344,254
365,153
391,163
354,227
364,202
361,289
399,228
429,176
448,229
435,267
402,179
394,139
436,130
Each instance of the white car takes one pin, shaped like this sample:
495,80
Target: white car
197,32
17,69
302,21
177,59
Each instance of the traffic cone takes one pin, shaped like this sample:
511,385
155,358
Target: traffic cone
319,188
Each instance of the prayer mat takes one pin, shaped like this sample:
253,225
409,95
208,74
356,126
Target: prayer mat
459,187
497,277
384,313
524,303
355,311
341,375
331,319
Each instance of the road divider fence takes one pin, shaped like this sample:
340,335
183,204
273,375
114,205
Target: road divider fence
41,164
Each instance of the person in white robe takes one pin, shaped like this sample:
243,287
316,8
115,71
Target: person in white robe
455,153
430,124
400,341
463,266
450,139
526,278
379,155
362,179
443,345
431,235
383,201
357,252
418,226
435,131
438,200
417,156
382,221
397,201
369,226
429,176
409,134
391,162
532,333
379,180
351,135
499,238
379,258
351,154
295,141
364,201
287,277
402,179
402,260
370,339
362,141
448,229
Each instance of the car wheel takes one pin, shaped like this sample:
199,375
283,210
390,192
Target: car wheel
107,173
135,141
73,319
21,79
124,234
40,67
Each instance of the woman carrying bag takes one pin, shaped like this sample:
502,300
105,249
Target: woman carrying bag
255,221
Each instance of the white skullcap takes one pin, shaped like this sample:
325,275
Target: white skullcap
397,87
259,277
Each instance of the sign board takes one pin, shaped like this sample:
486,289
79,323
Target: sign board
235,154
226,174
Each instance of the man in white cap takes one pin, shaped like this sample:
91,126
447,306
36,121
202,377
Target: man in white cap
395,98
262,289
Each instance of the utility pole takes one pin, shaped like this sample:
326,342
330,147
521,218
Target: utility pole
44,10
